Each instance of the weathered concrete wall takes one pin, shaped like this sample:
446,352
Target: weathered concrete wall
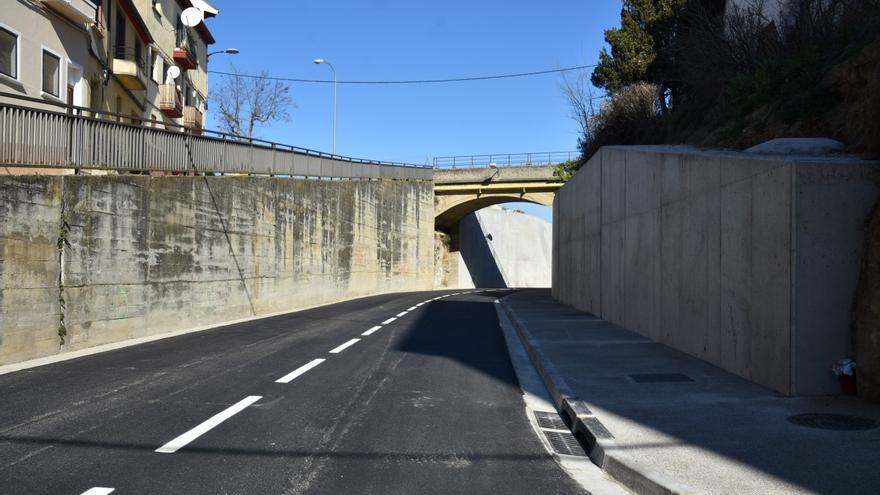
518,254
749,262
103,259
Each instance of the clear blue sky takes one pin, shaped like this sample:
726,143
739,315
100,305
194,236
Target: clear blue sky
407,39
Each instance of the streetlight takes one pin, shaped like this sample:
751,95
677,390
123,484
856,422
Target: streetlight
231,51
319,61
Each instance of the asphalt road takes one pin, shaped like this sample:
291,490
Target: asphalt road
428,403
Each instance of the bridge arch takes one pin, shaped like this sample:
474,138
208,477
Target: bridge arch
450,209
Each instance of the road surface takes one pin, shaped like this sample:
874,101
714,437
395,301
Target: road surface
399,393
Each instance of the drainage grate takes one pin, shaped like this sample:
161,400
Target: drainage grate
840,422
597,428
660,377
564,443
550,420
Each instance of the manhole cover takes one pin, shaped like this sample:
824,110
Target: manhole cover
550,421
564,443
660,377
841,422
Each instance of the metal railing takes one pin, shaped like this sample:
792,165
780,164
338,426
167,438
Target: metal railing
36,133
506,159
183,42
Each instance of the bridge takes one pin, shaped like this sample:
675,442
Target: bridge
460,191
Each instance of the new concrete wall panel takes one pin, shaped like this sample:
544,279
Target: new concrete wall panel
613,286
671,292
641,246
642,182
771,279
672,178
833,204
736,276
613,184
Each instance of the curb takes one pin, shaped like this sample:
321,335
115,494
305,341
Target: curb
600,444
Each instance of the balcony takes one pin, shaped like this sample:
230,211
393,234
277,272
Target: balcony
130,69
78,11
192,119
170,101
184,54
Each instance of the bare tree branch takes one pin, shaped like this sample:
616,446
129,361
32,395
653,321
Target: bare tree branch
247,102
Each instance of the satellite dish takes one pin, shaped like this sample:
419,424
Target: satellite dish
173,73
192,17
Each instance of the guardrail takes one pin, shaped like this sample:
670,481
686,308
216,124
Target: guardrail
44,134
506,159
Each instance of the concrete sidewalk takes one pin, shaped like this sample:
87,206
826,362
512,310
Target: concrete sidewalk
661,421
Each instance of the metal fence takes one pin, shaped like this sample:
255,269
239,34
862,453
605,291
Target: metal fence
506,159
35,133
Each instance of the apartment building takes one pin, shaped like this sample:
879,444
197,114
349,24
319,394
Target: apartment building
181,100
112,56
45,51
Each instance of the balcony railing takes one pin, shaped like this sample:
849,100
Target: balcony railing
192,118
170,101
184,52
131,68
84,139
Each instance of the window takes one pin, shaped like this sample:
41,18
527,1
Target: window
8,53
51,73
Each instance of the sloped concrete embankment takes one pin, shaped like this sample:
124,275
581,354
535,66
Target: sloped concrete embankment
747,261
86,261
504,248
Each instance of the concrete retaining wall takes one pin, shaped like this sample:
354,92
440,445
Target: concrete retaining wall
103,259
518,254
749,262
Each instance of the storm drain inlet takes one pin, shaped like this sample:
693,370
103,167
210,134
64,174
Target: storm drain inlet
839,422
550,421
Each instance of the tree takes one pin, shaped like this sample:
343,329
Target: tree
646,28
246,101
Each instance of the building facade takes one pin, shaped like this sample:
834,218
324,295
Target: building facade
45,51
109,56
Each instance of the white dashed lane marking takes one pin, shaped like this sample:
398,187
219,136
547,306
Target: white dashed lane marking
345,346
401,314
98,490
370,331
299,371
413,308
181,441
389,320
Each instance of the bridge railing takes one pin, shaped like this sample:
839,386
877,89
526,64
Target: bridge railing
37,133
506,159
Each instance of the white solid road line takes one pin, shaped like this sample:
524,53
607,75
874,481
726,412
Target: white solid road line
181,441
345,346
370,331
299,371
98,491
413,308
389,320
401,314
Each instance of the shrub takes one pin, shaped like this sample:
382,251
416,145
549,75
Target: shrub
629,116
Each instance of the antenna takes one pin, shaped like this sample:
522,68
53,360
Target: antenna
192,17
173,73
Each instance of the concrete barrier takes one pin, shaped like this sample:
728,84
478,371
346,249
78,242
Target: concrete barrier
92,260
747,261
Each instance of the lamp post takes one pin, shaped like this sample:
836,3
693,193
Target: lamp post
231,51
319,61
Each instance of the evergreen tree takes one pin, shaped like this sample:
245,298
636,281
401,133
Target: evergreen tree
646,28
